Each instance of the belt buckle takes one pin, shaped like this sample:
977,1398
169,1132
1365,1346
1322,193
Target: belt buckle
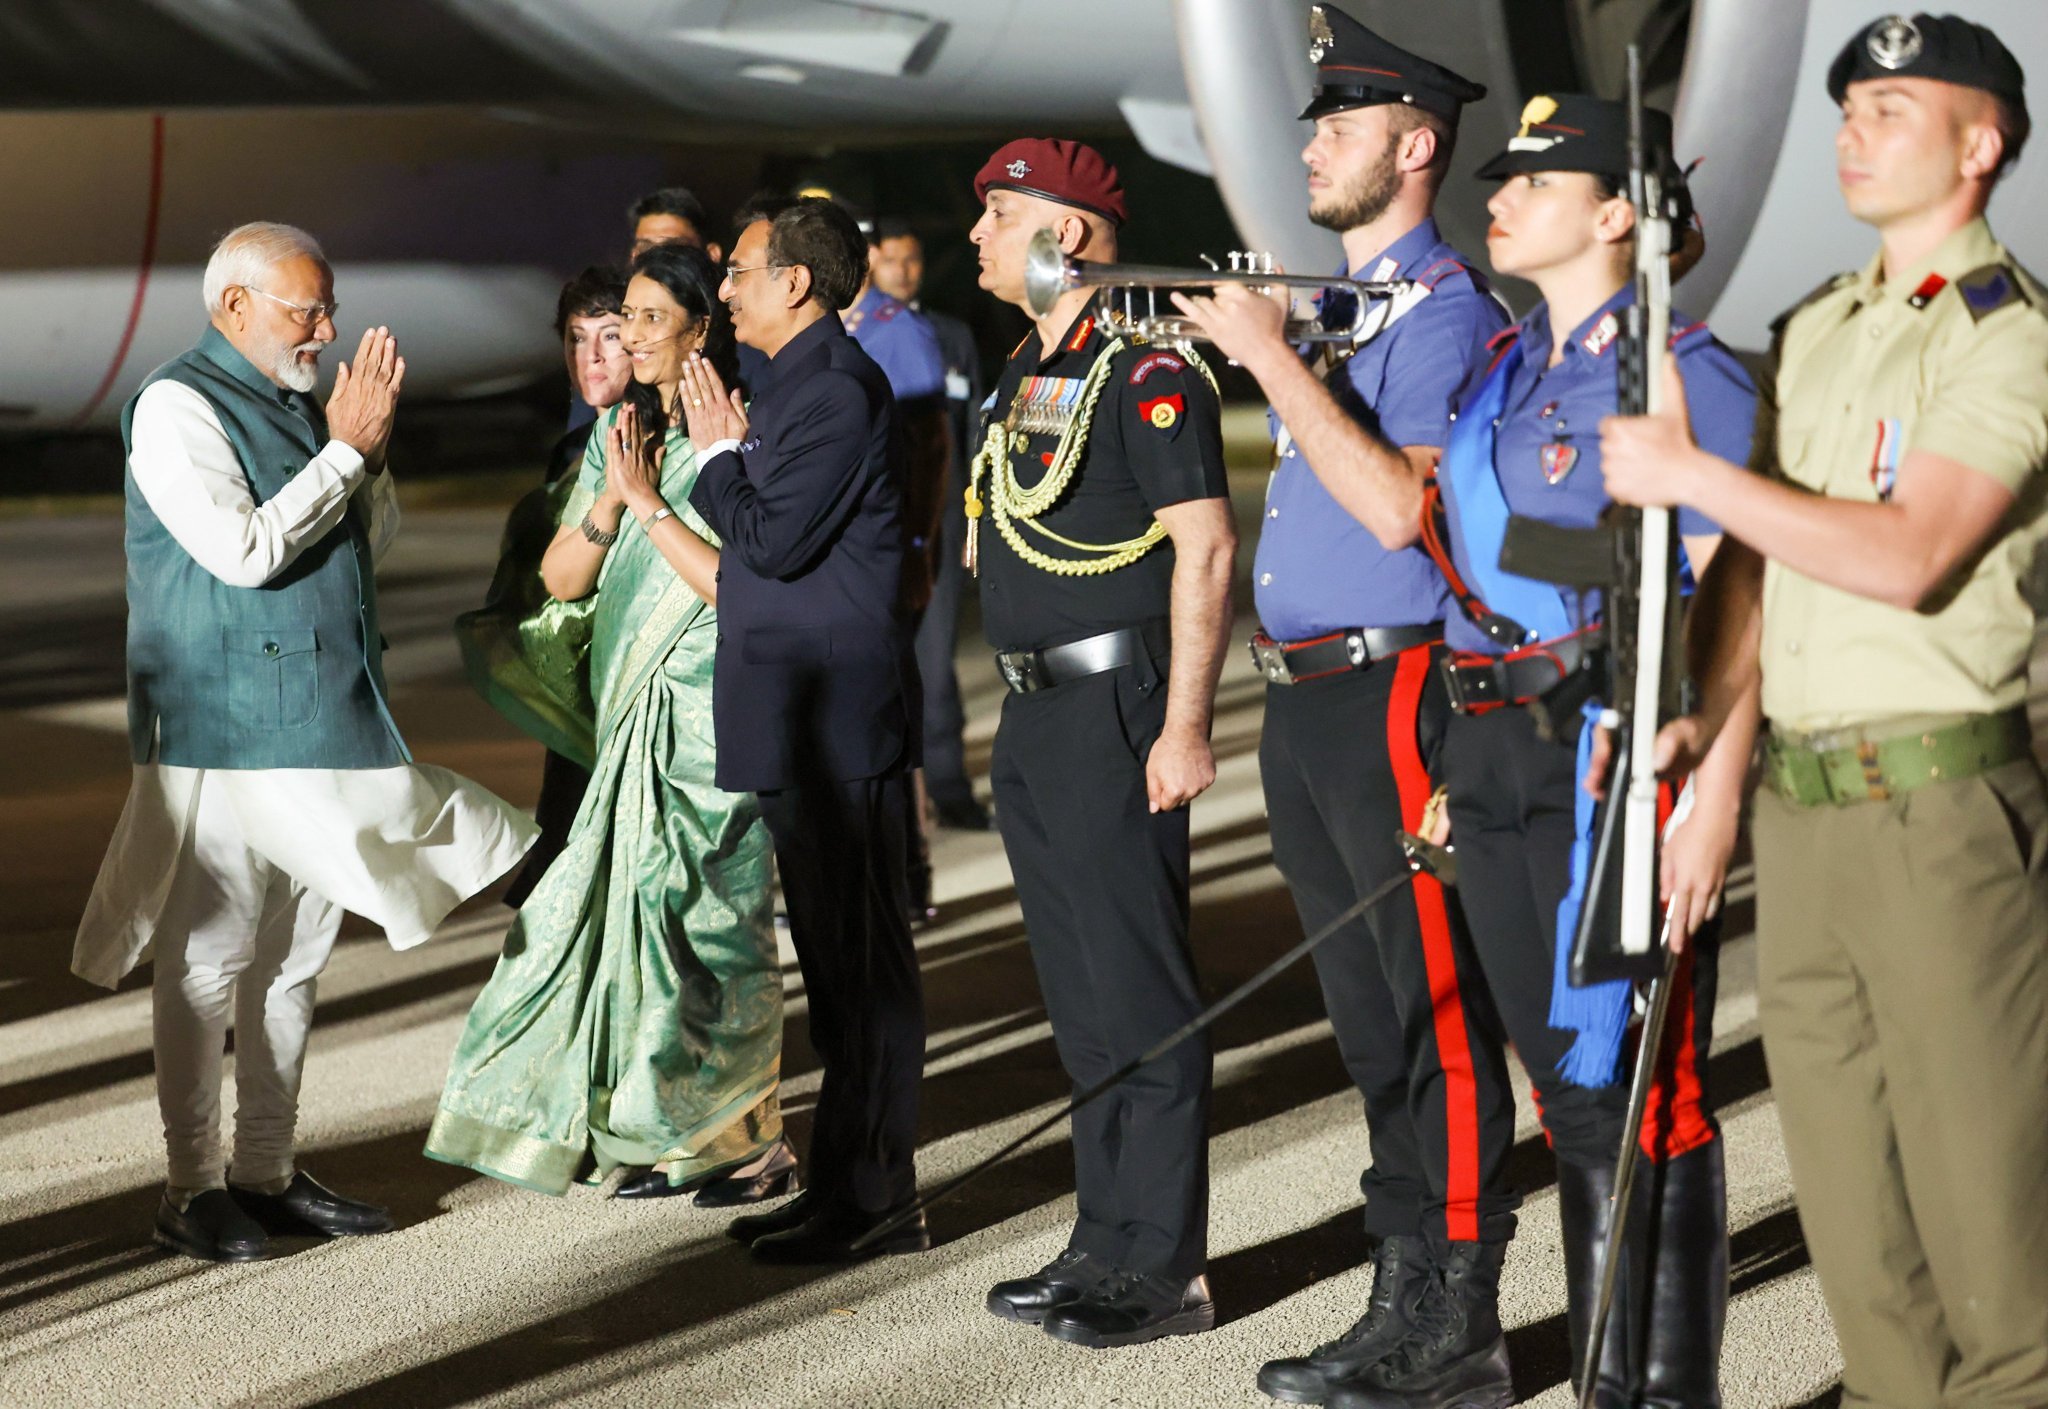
1471,687
1354,649
1270,658
1020,671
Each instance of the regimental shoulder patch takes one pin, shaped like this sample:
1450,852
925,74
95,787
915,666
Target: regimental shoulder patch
1155,362
1989,289
1163,413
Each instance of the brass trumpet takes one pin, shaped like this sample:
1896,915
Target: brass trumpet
1138,290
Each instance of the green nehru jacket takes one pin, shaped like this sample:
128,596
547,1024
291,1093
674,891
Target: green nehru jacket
286,675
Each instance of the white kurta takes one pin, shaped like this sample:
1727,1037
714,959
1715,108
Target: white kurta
400,846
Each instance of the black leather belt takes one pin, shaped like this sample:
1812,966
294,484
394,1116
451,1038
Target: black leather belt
1353,648
1477,683
1026,671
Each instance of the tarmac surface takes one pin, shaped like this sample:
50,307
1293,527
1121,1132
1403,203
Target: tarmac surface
489,1294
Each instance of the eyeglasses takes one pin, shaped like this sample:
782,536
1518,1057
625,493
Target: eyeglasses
306,313
733,271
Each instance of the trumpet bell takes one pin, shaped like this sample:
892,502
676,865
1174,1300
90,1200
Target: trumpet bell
1139,299
1048,273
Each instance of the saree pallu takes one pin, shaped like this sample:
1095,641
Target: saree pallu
635,1017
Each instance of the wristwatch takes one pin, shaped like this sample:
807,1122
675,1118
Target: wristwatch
664,512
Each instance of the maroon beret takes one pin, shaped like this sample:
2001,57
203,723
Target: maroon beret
1071,173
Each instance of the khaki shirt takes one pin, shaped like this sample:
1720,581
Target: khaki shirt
1863,378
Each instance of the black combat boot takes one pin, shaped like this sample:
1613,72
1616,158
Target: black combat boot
1681,1349
1400,1269
1584,1204
1454,1355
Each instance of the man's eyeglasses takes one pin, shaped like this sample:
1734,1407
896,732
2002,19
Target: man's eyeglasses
733,271
306,313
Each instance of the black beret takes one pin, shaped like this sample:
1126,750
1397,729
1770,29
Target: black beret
1355,68
1946,47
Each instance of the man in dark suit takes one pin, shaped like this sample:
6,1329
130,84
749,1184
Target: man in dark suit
815,702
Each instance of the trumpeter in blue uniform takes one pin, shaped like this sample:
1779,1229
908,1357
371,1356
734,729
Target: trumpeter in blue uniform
1352,624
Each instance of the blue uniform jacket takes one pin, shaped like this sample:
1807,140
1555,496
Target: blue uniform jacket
1546,449
1317,568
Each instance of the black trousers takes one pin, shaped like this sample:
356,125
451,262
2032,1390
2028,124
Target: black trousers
1104,887
945,755
840,849
1345,761
562,785
1512,795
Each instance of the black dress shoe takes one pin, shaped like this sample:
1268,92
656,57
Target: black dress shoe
749,1226
829,1237
776,1179
1131,1308
306,1206
212,1228
653,1184
963,814
1067,1278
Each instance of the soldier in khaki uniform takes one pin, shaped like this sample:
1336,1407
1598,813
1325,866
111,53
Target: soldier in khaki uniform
1902,831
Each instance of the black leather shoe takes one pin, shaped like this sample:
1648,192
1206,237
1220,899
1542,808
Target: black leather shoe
829,1236
653,1184
1130,1309
306,1206
774,1180
749,1226
1066,1279
1400,1268
212,1228
1454,1355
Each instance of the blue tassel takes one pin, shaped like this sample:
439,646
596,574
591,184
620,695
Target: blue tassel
1599,1014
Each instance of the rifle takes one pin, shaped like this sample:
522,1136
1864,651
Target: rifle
1632,557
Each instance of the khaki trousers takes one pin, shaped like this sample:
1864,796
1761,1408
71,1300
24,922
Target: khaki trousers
1903,986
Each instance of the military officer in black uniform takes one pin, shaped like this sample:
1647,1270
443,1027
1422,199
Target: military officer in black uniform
1101,527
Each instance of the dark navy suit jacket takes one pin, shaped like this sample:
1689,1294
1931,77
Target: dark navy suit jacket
815,679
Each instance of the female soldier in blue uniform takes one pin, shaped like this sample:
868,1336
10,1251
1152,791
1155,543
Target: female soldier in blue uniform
1526,441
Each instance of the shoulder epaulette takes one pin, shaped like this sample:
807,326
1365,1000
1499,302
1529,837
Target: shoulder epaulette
1685,330
1989,289
1836,282
1440,271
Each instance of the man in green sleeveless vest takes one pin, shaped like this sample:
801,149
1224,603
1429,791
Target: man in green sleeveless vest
271,788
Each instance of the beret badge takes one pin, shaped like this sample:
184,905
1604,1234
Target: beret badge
1894,42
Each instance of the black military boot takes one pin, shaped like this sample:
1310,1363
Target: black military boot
1400,1268
1584,1201
1681,1347
1454,1355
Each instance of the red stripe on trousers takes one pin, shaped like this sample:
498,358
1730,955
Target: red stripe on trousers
1675,1120
1453,1049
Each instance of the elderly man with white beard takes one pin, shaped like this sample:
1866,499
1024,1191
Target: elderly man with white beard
271,789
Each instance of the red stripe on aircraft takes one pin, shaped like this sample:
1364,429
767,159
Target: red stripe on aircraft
144,265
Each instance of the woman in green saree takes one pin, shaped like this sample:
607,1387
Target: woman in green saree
635,1017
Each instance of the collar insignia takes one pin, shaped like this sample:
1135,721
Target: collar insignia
1603,335
1894,42
1320,40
